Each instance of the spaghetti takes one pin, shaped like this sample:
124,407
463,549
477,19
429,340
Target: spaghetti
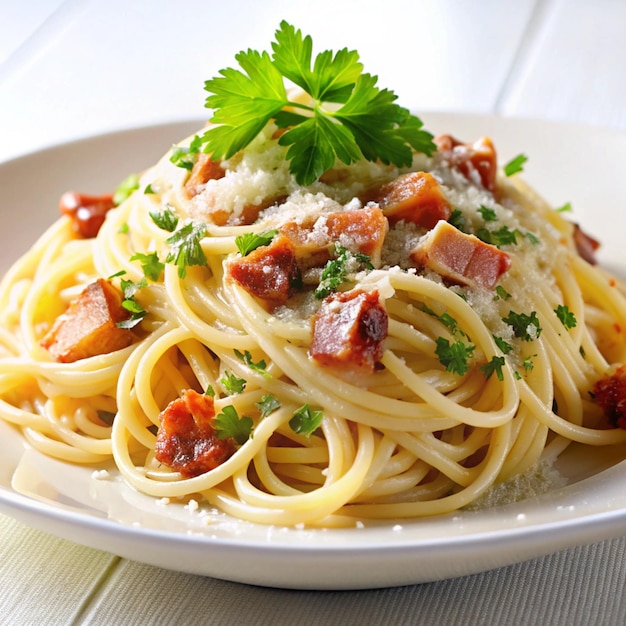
462,379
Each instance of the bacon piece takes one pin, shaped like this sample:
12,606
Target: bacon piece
270,273
586,245
86,212
89,326
610,395
186,440
360,231
349,330
414,197
477,161
204,169
461,258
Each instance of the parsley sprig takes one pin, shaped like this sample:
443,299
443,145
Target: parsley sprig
229,424
185,248
348,117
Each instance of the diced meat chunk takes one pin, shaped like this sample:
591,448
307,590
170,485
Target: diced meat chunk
414,197
476,161
460,258
361,231
586,245
89,326
86,212
349,331
203,170
186,440
270,273
610,395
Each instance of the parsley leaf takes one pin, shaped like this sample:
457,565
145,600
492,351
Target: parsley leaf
246,357
305,422
125,188
248,242
489,215
185,248
335,272
165,220
515,165
504,346
501,237
454,356
228,424
501,293
567,318
210,391
522,325
137,312
233,384
267,405
150,264
495,365
457,219
348,118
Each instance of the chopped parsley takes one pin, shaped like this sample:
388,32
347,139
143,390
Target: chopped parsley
567,318
185,156
528,364
454,356
267,405
305,421
502,237
515,165
494,366
125,188
457,219
210,391
564,208
137,312
501,293
248,242
150,264
504,346
246,357
350,118
335,272
185,248
148,190
165,219
524,326
229,424
489,215
233,384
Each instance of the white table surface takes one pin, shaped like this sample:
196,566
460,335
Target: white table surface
74,68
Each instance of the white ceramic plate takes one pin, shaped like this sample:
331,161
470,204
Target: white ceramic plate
567,163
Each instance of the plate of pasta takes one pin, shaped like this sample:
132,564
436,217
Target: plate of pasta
321,347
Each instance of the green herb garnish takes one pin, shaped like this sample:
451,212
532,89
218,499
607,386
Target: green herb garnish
524,326
165,219
130,304
335,272
229,424
150,264
348,118
246,357
248,242
125,188
305,422
489,215
567,318
185,248
495,365
267,405
233,384
515,165
454,356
